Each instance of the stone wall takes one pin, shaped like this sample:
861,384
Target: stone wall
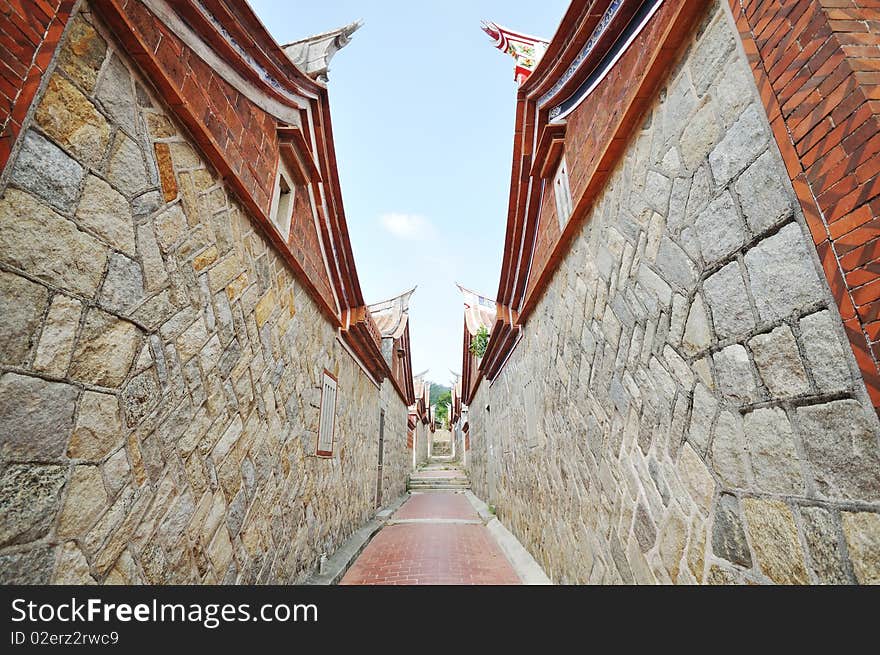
684,406
421,436
396,460
441,443
160,366
458,436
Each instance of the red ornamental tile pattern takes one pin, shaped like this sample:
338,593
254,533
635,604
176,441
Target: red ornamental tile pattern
817,66
29,32
431,553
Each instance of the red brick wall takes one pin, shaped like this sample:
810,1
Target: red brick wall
548,229
244,133
817,65
29,32
304,243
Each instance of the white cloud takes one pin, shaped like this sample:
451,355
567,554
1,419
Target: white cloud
407,226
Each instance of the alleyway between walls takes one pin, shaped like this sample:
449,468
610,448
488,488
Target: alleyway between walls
436,537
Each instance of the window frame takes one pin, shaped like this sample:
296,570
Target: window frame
283,174
323,414
562,193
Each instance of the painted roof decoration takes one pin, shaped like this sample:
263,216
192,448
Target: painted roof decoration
312,55
391,315
525,49
479,311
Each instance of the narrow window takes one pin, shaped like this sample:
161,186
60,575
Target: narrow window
282,203
328,416
563,194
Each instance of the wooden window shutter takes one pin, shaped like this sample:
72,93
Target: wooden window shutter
328,416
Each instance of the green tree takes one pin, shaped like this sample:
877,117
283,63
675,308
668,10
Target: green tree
480,342
437,390
442,411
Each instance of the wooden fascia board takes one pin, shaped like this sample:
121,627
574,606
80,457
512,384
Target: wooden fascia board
528,216
206,30
349,289
495,352
404,390
361,339
511,240
244,24
588,64
407,368
522,215
557,52
465,358
399,389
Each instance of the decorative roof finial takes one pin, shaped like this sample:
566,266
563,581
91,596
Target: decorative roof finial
312,55
526,50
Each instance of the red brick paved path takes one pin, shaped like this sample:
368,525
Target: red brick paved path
437,506
432,553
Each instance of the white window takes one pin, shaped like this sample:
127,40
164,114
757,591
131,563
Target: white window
328,416
563,194
282,202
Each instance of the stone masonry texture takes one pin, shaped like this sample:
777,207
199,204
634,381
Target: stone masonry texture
684,406
160,365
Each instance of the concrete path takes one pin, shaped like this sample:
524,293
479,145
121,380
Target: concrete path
434,538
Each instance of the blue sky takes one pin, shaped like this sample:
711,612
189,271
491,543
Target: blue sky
423,111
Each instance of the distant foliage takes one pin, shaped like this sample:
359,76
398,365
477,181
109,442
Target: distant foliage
442,409
480,342
437,390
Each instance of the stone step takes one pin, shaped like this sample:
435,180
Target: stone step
457,478
434,477
431,477
440,486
